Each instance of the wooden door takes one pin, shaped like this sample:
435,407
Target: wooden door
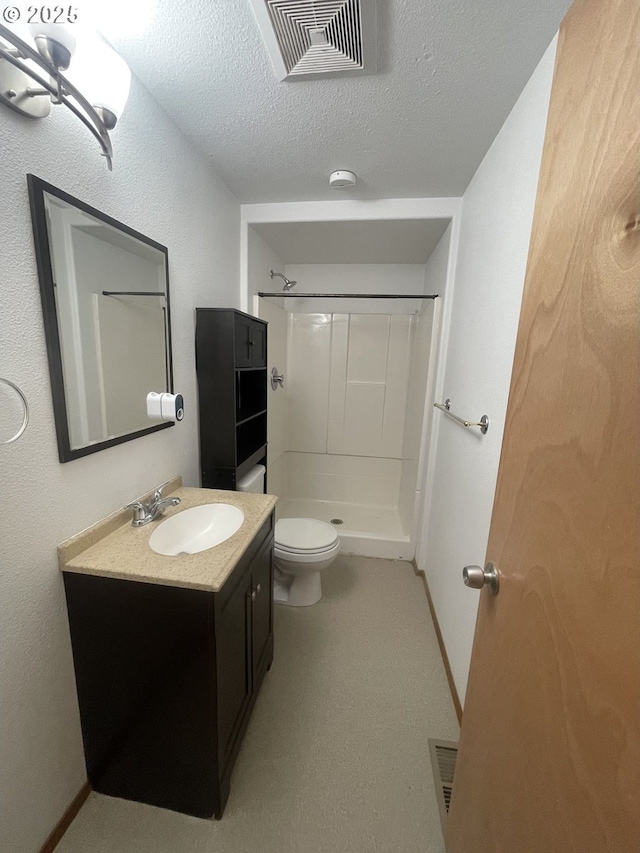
549,752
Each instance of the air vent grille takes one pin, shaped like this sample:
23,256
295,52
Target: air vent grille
444,754
310,37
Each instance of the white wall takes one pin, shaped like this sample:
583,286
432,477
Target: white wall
439,274
161,187
355,278
494,238
261,260
419,364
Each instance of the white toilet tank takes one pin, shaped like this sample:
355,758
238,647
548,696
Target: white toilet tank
253,480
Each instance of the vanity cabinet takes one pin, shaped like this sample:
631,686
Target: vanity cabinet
231,366
167,678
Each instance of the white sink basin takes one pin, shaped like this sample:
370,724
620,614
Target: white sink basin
196,529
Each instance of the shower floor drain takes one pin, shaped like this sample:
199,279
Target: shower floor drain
337,521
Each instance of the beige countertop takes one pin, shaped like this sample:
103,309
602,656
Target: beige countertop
113,548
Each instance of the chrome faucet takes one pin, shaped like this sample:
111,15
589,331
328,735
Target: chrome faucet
143,513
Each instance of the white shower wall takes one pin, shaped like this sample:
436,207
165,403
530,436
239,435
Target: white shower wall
361,480
346,388
356,393
348,376
345,434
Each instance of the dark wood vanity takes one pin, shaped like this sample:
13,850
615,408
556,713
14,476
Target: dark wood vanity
167,678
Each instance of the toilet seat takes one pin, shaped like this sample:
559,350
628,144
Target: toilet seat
303,557
301,536
302,551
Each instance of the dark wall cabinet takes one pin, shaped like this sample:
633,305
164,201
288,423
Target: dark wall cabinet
231,364
167,678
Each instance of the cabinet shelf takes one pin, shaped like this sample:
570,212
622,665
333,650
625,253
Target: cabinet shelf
251,417
251,393
250,436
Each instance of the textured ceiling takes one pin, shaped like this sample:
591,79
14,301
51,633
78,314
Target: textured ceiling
449,72
406,241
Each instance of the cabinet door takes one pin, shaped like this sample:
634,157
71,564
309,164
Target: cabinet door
242,346
261,607
233,656
250,342
258,344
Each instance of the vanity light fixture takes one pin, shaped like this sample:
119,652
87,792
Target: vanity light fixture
50,48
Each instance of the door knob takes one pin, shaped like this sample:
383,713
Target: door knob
476,577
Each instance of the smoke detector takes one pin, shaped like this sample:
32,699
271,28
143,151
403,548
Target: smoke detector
310,38
342,179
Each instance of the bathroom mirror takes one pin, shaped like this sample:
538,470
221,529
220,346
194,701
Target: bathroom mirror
105,301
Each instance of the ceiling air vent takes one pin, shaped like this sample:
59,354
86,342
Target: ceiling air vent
309,38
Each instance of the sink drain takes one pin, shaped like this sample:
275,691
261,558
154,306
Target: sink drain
337,521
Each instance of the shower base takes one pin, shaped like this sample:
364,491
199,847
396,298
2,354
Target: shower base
366,531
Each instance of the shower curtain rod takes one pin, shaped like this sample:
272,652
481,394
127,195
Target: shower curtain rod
133,293
351,295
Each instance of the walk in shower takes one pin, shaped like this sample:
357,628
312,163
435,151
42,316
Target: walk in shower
355,345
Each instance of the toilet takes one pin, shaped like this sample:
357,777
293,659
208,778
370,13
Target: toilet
303,547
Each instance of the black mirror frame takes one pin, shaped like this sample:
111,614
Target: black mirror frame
37,188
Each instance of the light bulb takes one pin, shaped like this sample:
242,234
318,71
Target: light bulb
100,74
56,42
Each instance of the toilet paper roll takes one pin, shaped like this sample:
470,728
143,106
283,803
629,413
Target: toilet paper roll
253,481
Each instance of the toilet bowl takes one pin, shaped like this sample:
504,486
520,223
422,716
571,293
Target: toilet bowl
303,547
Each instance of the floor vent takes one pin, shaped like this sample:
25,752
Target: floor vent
307,38
443,763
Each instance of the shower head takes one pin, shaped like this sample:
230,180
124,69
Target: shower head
288,284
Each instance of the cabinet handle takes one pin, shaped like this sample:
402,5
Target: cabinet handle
258,588
252,343
253,595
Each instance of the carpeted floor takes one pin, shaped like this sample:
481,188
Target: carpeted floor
335,758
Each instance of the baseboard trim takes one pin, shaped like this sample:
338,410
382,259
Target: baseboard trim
445,659
66,820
